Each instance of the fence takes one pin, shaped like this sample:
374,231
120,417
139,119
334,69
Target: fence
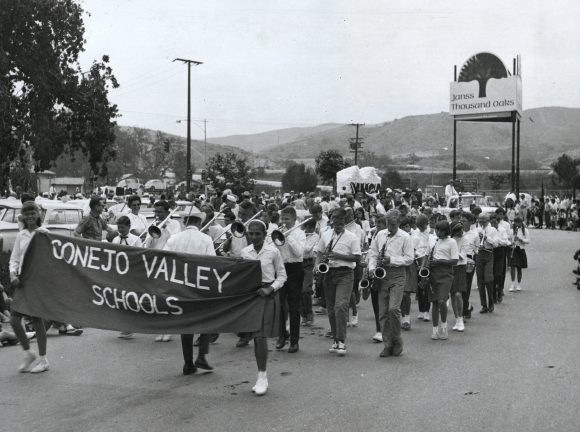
499,195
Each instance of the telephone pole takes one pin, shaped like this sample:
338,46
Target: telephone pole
356,144
195,63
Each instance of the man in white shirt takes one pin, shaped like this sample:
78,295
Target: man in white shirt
340,249
191,241
167,229
499,259
420,239
450,190
320,217
292,252
235,244
484,264
472,241
396,255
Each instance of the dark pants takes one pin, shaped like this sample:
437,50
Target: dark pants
498,271
187,346
540,219
390,297
338,288
375,302
484,269
319,282
423,298
291,292
306,296
467,294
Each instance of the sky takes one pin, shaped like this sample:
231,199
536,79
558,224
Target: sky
277,64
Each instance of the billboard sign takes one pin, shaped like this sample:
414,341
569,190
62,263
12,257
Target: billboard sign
485,86
469,185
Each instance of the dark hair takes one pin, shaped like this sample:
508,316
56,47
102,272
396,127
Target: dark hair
362,217
519,219
455,227
404,221
124,220
162,203
94,202
210,214
316,208
291,211
339,213
230,215
443,226
422,220
134,198
382,219
468,216
310,223
260,225
246,205
31,205
272,207
26,197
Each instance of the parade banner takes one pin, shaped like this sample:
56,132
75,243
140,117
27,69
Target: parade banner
353,180
118,287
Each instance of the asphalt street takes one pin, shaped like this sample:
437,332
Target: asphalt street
517,369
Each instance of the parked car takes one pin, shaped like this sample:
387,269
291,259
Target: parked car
57,217
155,185
465,200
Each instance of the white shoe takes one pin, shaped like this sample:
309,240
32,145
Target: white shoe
167,338
444,335
519,288
460,325
159,338
378,337
512,287
41,366
261,386
29,360
341,350
435,335
354,320
456,325
125,335
426,317
421,314
333,348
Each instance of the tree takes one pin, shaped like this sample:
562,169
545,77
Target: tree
464,166
566,168
223,169
413,158
497,180
328,163
48,106
391,179
369,158
299,178
481,67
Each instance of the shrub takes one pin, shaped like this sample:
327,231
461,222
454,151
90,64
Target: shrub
5,273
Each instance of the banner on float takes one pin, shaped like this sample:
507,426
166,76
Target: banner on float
353,180
118,287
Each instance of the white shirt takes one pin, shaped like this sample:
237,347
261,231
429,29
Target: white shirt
502,238
420,242
354,228
450,190
489,239
191,241
130,240
446,249
293,250
172,227
462,247
324,206
346,243
399,249
237,245
138,222
215,231
271,262
525,237
21,243
380,209
312,240
471,241
321,224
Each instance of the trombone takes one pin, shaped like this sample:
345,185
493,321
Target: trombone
279,237
153,230
207,225
238,229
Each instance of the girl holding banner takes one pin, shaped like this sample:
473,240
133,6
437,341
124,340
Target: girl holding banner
273,278
32,362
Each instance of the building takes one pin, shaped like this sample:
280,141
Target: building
44,180
70,184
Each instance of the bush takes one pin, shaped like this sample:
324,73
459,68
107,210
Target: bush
5,273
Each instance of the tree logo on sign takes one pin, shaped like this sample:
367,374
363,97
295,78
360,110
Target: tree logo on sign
481,68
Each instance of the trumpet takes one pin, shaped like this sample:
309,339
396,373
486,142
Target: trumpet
380,272
279,237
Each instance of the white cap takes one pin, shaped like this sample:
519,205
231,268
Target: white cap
232,198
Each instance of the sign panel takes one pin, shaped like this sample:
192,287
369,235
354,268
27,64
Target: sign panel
469,185
485,86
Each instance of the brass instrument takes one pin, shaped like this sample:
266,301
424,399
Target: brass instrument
207,225
424,270
238,229
153,230
366,281
279,237
380,272
513,247
323,266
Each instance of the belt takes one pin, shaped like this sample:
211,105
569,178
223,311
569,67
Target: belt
340,268
307,259
486,250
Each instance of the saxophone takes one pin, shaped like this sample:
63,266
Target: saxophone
323,266
380,272
424,270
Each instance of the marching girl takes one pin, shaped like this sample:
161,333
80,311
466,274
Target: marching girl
32,362
512,210
519,237
459,285
444,255
273,278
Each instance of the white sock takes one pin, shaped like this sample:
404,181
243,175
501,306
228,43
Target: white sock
262,375
443,325
435,329
42,358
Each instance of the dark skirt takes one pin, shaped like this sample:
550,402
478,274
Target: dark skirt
459,279
270,319
441,278
411,278
520,258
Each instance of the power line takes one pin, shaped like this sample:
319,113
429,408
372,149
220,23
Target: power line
147,85
148,78
151,71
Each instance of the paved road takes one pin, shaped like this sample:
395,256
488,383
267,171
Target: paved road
514,370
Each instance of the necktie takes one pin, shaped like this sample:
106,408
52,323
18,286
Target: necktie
124,238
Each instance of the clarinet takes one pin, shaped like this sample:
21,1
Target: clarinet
514,243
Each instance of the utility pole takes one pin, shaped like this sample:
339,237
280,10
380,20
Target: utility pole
205,138
195,63
356,145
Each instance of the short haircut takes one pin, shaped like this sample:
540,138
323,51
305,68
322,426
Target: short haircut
468,216
124,220
94,202
230,215
393,215
246,205
135,198
404,221
259,224
291,211
210,214
272,207
443,225
339,213
380,219
454,213
316,208
310,223
162,203
422,220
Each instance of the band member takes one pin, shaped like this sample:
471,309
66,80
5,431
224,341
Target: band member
443,256
214,230
518,260
273,278
340,250
192,241
234,245
471,237
459,286
308,258
421,245
484,263
410,280
499,260
381,225
354,228
292,252
321,219
393,251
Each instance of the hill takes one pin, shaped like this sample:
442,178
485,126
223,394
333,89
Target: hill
546,133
